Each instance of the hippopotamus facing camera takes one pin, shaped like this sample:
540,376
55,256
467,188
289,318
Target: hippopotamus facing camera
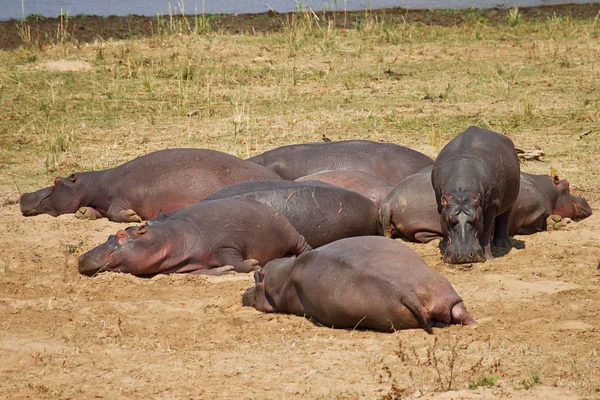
366,282
476,182
212,237
142,188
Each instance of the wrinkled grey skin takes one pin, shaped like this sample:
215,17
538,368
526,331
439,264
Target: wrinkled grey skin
212,237
366,282
372,187
410,212
476,180
142,188
320,212
386,161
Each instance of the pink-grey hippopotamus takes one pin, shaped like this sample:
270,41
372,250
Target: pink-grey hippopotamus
387,161
144,187
368,282
320,212
209,237
370,186
410,210
476,179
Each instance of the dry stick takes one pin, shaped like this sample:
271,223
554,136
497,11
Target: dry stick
15,182
95,273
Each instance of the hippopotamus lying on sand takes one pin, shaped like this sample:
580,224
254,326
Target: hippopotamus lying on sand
476,182
387,161
410,211
366,282
211,237
372,187
142,188
320,212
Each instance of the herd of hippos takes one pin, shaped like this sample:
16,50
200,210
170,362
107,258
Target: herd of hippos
212,213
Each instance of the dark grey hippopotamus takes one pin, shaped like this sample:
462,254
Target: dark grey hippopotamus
476,182
142,188
410,210
366,282
320,212
372,187
387,161
210,237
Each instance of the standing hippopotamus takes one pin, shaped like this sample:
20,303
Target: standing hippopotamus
142,188
372,187
410,210
366,282
320,212
210,237
387,161
476,182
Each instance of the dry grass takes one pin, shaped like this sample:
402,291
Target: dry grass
405,83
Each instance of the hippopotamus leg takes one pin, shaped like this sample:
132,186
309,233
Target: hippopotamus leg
118,214
501,238
216,271
88,213
486,234
426,237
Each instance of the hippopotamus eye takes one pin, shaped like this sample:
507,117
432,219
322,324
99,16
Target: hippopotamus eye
72,178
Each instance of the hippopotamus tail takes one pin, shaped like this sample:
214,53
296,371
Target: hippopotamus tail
413,304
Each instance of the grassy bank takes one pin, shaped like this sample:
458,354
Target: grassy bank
383,80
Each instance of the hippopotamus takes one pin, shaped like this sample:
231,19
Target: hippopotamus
476,182
320,212
142,188
410,210
368,282
209,237
372,187
387,161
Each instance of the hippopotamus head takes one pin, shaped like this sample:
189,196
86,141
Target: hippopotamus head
64,197
567,205
461,219
136,250
263,296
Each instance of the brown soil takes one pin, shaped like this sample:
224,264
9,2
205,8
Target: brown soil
86,29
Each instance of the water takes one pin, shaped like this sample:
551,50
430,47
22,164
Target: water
52,8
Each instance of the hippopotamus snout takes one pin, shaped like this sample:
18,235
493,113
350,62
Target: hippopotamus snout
465,254
582,209
34,203
249,296
96,259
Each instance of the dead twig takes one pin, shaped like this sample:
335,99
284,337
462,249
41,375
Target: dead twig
533,154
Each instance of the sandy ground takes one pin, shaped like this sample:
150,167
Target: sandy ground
63,335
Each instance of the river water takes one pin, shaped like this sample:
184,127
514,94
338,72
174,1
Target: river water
52,8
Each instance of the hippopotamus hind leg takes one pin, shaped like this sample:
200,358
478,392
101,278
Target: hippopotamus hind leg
411,301
87,213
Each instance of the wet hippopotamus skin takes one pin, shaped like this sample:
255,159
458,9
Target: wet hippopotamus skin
387,161
320,212
142,188
476,182
212,237
366,282
409,212
372,187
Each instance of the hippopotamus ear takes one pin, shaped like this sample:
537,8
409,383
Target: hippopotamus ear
446,199
556,180
140,230
57,180
72,178
476,199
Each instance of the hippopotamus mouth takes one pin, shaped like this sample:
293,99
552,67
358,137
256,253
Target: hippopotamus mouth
29,210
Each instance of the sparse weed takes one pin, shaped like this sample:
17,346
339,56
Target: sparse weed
484,381
514,17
